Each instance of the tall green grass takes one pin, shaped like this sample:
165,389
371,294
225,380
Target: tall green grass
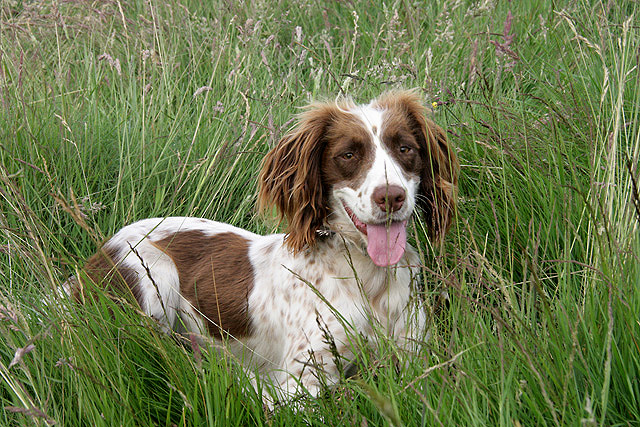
116,111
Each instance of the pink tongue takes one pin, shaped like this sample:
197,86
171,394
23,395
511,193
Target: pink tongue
386,245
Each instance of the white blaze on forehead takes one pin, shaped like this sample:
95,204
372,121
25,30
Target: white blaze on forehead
384,170
372,119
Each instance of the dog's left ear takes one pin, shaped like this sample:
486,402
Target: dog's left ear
439,175
439,181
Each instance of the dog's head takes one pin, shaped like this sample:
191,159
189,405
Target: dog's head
361,170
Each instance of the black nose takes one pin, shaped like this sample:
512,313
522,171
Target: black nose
389,198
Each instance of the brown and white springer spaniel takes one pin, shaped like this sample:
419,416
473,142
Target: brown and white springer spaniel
346,180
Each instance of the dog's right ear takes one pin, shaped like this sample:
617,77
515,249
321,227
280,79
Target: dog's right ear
291,178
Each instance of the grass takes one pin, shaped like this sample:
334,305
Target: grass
116,111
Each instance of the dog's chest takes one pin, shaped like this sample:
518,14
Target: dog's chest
325,292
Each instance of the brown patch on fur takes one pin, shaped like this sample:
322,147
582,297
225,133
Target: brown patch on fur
398,136
104,272
438,162
349,137
216,276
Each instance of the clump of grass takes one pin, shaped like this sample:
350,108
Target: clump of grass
117,111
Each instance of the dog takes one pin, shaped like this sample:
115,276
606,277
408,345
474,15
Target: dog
346,181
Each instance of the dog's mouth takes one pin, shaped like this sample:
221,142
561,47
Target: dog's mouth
386,242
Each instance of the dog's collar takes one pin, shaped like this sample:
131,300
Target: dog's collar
325,232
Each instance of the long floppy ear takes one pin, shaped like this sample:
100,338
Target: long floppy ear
291,179
439,175
439,182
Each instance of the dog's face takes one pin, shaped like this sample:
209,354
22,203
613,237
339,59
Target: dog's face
361,170
371,168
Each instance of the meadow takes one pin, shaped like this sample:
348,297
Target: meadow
118,110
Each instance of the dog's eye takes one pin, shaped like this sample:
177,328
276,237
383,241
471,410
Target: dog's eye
404,149
348,155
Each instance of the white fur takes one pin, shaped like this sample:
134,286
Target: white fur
283,305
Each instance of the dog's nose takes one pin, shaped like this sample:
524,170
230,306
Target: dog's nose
389,198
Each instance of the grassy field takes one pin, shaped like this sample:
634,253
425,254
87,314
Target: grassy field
115,111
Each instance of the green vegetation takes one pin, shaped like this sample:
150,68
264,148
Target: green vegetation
119,110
